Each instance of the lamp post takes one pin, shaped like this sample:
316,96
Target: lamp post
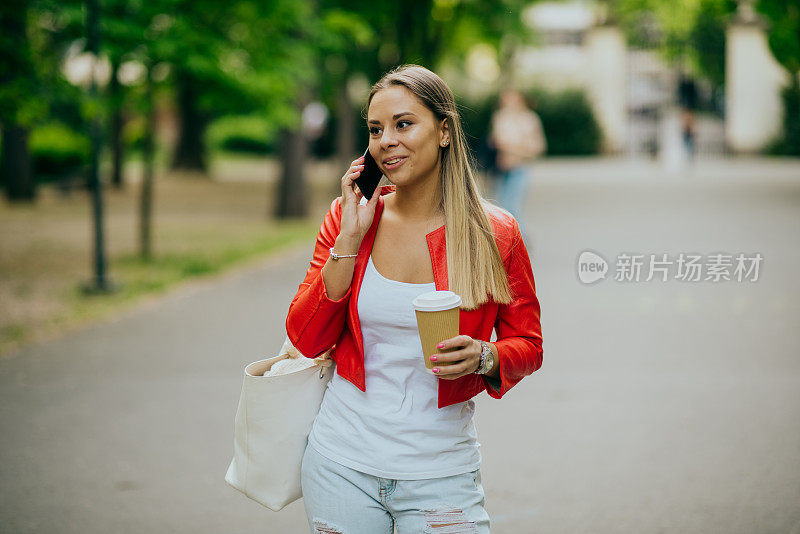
100,283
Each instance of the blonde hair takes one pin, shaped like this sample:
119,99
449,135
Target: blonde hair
474,266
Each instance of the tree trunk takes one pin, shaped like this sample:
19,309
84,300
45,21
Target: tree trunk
345,128
146,199
117,150
347,147
190,152
19,77
16,166
100,283
291,200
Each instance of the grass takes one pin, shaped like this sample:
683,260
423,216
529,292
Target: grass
201,226
136,277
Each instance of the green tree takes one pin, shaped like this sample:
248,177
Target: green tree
784,42
234,57
135,33
707,38
125,25
17,80
31,42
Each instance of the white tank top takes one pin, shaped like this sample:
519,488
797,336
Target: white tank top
395,429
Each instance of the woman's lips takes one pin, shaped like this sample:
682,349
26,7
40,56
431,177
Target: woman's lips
391,166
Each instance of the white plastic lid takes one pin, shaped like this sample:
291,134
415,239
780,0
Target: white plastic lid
436,301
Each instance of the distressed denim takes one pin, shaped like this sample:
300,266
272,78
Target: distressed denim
341,500
514,185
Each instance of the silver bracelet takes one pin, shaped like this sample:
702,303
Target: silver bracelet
336,256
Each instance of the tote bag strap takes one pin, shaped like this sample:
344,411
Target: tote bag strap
323,361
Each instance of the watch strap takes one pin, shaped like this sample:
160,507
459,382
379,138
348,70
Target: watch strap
485,364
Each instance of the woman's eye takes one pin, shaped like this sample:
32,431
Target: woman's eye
374,130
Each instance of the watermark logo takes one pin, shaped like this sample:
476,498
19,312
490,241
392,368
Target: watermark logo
591,267
683,267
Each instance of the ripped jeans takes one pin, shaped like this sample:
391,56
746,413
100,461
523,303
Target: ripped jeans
340,500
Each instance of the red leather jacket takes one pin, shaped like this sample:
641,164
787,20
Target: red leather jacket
316,323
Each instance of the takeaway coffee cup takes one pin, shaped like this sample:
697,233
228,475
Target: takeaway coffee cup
437,320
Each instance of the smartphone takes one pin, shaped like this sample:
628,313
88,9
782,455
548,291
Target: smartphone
369,178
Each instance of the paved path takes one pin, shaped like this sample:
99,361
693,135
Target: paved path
667,407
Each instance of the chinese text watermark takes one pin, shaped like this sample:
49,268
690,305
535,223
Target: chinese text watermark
663,267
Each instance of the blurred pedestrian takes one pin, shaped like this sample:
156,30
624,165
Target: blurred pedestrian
517,135
687,96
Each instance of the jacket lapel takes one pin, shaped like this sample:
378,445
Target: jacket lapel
438,251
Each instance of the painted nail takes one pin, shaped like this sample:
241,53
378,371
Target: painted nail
433,358
435,369
440,345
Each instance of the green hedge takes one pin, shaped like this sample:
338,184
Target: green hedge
242,133
568,121
788,142
57,150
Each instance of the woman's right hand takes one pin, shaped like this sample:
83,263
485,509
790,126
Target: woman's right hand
356,219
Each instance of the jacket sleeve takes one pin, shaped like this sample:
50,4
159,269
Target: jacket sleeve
519,331
314,322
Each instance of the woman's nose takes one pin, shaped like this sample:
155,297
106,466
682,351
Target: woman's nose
388,139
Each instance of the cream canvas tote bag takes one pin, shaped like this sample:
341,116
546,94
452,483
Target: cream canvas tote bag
273,421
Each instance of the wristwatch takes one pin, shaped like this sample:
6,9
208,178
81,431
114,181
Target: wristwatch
487,359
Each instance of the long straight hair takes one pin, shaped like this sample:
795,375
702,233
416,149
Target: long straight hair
474,266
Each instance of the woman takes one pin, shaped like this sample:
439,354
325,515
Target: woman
517,135
393,445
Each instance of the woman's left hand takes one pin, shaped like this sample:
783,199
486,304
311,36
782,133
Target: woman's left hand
465,357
